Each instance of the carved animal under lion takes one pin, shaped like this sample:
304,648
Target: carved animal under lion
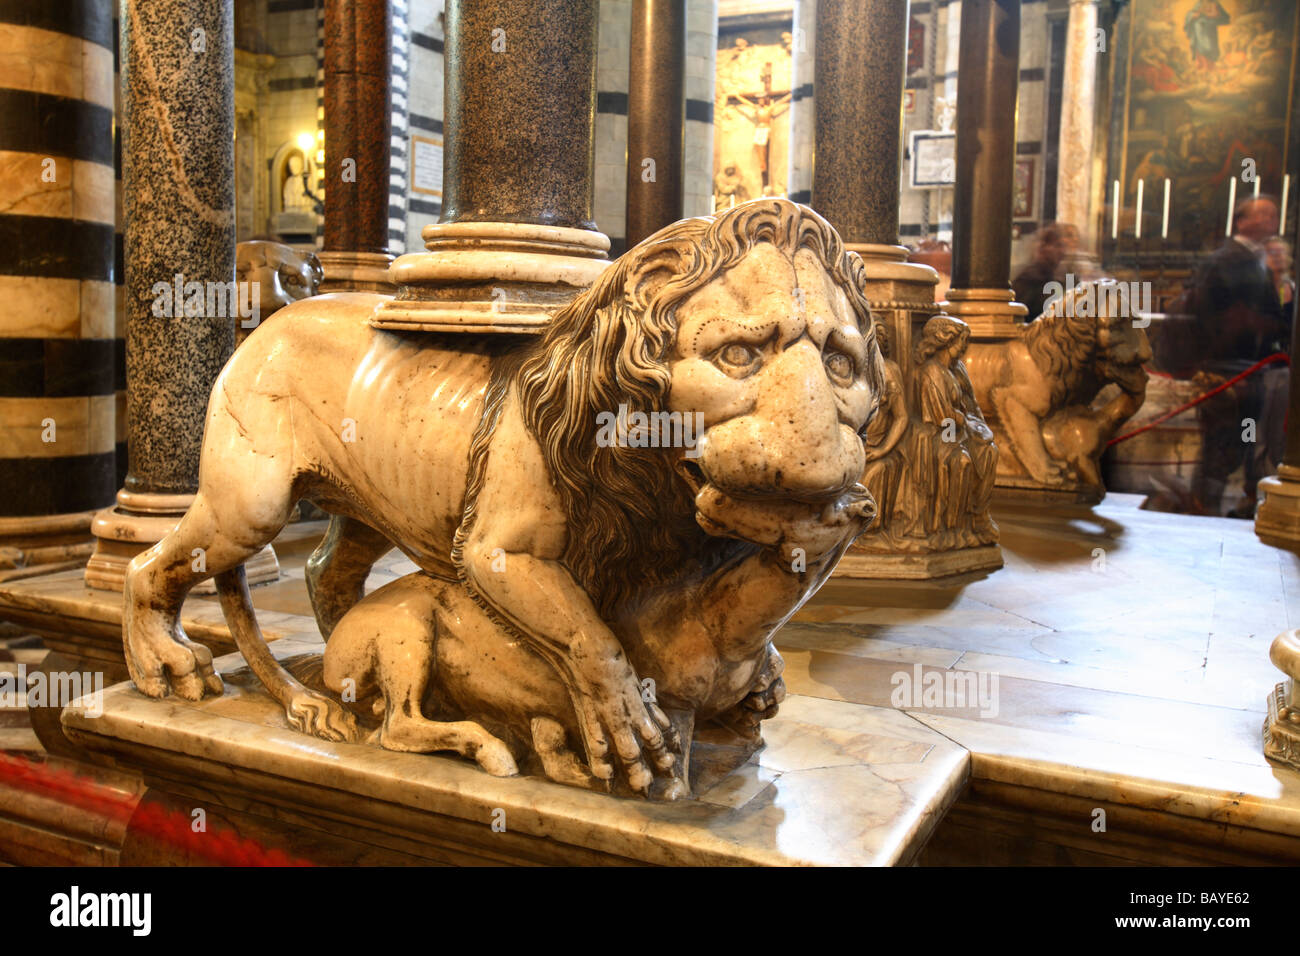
556,574
1055,396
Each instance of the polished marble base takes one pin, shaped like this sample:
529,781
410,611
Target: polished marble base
926,565
836,784
139,521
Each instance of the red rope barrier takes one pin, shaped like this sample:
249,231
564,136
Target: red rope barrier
1270,360
222,847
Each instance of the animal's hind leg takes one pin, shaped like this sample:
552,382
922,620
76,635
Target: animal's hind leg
159,657
390,637
338,568
242,503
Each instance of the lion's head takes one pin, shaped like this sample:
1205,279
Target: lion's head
755,321
1086,338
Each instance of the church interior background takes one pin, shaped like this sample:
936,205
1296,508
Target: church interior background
1063,639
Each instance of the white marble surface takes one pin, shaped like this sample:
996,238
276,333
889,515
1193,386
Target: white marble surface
838,783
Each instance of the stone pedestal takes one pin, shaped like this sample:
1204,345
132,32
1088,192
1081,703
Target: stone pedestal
516,241
901,295
838,783
139,521
992,314
1277,522
355,271
1282,728
179,193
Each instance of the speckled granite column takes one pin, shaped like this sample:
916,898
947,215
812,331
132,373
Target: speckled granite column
656,114
358,48
858,97
987,85
179,193
520,109
516,239
860,48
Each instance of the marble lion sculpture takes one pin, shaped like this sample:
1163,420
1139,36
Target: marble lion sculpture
580,605
1040,392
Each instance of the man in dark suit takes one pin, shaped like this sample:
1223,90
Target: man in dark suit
1239,320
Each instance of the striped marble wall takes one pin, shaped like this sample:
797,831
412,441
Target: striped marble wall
424,111
399,162
57,394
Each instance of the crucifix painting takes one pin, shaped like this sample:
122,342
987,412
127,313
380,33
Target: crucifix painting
753,99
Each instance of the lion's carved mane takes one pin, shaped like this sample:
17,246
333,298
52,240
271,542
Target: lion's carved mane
1063,344
628,513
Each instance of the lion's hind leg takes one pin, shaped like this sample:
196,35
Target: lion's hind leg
559,762
387,642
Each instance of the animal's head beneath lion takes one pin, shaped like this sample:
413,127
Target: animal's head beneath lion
753,324
1086,338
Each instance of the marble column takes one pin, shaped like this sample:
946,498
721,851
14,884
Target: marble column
860,53
656,115
1078,105
516,240
358,90
987,83
57,404
179,185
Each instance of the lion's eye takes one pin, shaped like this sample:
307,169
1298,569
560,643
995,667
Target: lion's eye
736,359
840,367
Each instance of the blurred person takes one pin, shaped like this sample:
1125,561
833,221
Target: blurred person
1053,243
1277,253
1239,320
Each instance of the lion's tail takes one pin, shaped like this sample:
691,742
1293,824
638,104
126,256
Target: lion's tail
307,710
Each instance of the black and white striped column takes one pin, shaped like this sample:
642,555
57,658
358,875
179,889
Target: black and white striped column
57,404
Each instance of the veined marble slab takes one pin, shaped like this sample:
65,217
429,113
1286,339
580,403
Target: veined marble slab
837,784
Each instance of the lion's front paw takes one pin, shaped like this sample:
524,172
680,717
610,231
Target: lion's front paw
162,660
315,714
614,717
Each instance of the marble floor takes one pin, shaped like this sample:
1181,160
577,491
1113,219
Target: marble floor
1121,656
1129,647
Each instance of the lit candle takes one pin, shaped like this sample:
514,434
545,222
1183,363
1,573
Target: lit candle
1232,201
1114,205
1256,187
1286,188
1137,218
1164,218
